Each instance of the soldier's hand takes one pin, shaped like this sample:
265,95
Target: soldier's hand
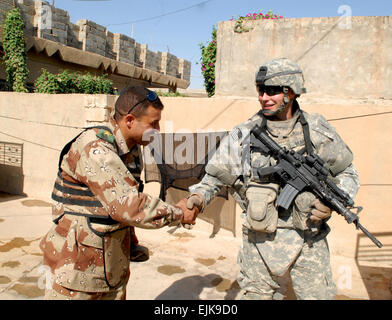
195,200
189,215
320,211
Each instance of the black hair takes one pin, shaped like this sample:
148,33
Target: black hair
131,96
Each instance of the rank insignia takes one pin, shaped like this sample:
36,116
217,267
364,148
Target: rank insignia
106,135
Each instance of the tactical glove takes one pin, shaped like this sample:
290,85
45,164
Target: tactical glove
195,200
320,211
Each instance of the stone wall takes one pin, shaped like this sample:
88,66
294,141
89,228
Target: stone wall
46,21
347,59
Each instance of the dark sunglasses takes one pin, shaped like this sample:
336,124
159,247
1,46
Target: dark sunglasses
150,96
270,90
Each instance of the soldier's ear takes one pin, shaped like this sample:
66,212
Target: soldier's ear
291,94
129,120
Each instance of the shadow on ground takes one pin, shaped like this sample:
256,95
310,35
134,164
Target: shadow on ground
190,288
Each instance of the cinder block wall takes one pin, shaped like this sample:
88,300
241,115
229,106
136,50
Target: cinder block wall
93,37
48,22
124,47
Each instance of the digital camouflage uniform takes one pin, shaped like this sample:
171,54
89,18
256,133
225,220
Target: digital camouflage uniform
278,241
96,201
264,256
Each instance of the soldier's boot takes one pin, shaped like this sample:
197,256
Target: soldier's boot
139,253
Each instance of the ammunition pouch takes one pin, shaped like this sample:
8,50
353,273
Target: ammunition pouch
262,215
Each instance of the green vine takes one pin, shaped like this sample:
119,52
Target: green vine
208,60
15,51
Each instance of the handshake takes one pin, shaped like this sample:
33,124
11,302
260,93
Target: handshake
190,208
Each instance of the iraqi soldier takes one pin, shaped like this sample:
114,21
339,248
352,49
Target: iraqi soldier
276,241
98,200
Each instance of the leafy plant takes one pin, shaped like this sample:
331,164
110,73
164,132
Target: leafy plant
15,51
66,82
208,60
239,26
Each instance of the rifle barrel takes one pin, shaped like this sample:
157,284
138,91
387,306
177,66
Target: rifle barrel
370,236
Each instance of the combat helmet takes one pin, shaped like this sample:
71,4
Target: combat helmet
281,72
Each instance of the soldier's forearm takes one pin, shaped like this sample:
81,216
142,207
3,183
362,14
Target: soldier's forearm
208,188
144,211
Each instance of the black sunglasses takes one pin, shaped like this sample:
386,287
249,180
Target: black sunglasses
270,90
150,96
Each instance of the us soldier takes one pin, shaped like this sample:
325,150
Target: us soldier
278,242
98,200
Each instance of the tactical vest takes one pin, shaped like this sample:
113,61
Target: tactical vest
259,174
107,234
262,188
74,193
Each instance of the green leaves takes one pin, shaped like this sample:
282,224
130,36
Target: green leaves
208,60
15,51
66,82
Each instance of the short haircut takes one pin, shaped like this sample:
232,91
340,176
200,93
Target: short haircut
129,97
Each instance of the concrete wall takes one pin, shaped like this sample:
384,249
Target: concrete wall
339,58
44,123
45,21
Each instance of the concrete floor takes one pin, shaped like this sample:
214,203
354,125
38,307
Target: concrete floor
184,264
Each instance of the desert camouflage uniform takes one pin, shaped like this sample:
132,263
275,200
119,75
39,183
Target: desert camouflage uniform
291,247
96,201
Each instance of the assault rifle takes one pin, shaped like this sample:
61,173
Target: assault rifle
306,173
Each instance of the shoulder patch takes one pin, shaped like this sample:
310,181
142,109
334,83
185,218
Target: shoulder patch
106,135
236,134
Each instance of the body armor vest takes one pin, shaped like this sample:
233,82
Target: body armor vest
68,191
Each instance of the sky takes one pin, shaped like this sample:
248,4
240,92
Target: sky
180,26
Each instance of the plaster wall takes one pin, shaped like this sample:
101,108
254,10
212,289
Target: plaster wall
339,58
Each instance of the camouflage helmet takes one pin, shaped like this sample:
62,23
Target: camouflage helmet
281,72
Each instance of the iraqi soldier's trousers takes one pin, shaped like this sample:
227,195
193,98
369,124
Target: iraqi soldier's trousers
310,273
58,292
